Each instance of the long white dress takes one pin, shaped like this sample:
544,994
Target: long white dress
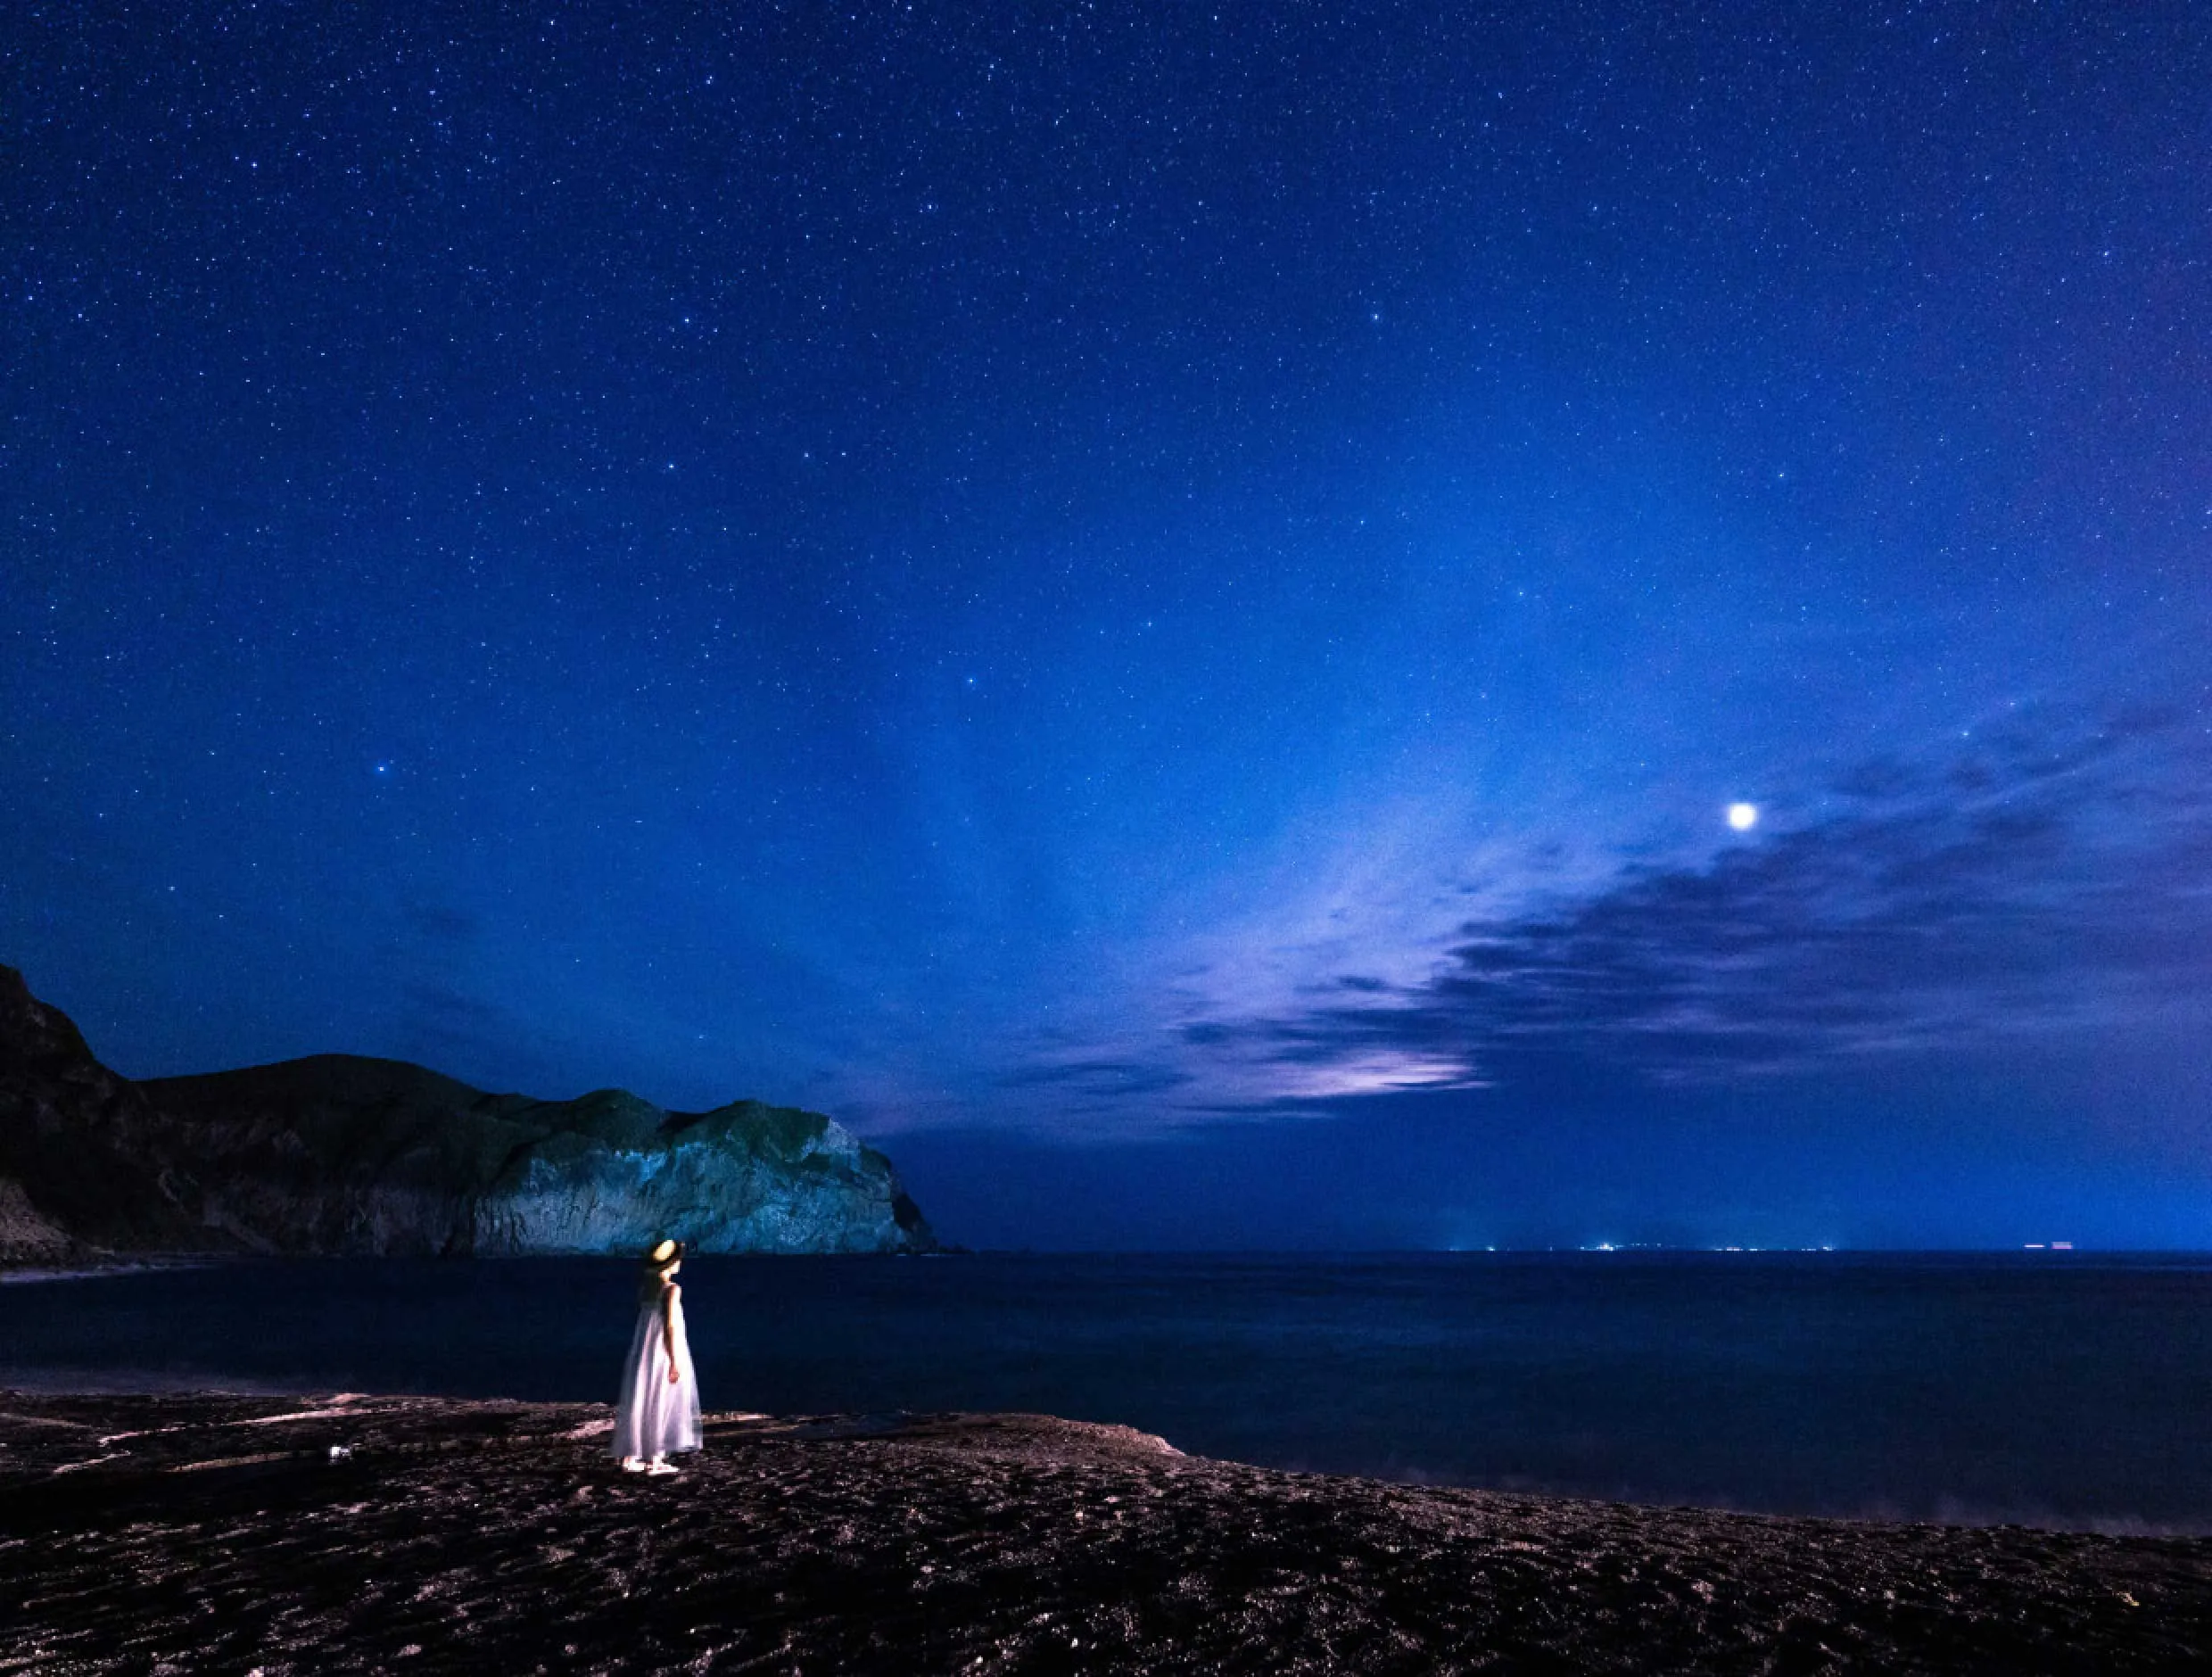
655,1417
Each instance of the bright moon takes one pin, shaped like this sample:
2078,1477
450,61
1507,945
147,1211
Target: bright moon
1743,817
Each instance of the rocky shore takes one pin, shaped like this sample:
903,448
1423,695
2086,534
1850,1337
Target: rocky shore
350,1533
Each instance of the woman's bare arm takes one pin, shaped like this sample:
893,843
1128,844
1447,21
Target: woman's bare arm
668,1328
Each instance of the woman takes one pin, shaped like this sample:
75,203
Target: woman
657,1413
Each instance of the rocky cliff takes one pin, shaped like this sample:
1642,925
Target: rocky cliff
340,1154
80,1161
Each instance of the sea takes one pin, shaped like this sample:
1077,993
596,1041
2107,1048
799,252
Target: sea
2065,1389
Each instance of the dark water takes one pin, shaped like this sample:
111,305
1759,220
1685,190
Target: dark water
2057,1390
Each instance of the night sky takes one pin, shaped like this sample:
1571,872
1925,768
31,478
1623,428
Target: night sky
1159,609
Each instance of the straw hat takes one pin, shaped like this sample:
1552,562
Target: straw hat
663,1253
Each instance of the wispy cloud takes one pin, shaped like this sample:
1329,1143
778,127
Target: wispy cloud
1101,1078
2034,881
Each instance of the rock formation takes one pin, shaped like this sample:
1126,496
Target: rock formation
80,1148
341,1154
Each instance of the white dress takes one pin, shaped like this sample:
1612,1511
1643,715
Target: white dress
654,1416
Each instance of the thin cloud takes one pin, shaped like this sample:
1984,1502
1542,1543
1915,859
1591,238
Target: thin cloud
1101,1078
2032,883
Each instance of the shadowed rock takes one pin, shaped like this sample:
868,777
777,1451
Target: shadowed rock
312,1536
82,1147
337,1153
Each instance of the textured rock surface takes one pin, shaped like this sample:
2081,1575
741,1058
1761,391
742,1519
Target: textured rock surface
304,1537
337,1153
26,1235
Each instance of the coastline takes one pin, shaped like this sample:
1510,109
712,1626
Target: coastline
347,1532
29,1275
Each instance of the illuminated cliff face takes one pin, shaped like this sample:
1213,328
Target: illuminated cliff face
736,1180
336,1153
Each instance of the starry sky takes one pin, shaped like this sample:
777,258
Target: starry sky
1162,609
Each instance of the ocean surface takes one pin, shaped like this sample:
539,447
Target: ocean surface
2053,1389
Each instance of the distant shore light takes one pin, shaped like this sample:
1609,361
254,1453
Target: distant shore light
1743,817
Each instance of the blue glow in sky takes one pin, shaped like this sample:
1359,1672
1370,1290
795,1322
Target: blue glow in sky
1165,611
